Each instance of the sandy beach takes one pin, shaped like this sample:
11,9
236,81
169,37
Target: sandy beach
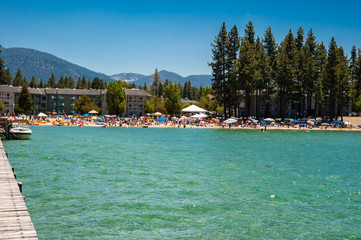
53,121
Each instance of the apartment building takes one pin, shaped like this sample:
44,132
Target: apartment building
62,100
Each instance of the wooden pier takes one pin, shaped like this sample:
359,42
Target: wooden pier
15,221
5,127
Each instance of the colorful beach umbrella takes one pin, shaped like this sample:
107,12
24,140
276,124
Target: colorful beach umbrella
337,121
161,119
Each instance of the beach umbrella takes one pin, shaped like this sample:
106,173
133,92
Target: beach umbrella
157,114
325,124
22,116
295,121
230,121
286,120
337,121
269,120
54,113
41,114
86,115
347,123
175,118
161,119
304,119
93,112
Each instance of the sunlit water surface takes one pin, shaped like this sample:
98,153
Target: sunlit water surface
130,183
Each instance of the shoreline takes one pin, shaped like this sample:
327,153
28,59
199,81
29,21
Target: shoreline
269,128
53,121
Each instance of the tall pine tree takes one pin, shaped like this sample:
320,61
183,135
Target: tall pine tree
51,82
232,55
270,47
286,72
33,83
220,68
25,101
247,73
18,79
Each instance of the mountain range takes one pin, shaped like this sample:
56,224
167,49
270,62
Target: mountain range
139,79
42,65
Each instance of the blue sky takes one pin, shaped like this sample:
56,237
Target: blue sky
139,36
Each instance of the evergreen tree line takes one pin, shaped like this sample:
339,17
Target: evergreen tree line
295,72
63,82
187,91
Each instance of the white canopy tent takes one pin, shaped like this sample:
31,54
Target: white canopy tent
193,109
200,115
41,115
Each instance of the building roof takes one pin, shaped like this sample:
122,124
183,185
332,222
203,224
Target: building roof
136,92
68,91
9,89
12,89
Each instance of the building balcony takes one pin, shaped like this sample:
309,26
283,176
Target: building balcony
5,98
136,101
136,109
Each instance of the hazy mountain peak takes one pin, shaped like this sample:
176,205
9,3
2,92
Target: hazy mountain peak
42,65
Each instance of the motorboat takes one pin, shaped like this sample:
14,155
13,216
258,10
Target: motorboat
20,132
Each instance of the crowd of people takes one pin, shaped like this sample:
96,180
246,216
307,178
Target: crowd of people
182,122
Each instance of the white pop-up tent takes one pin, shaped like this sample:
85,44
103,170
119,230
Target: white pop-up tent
193,109
199,115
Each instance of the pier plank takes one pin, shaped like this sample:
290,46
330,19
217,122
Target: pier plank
15,221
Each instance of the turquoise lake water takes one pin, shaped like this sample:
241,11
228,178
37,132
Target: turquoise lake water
135,183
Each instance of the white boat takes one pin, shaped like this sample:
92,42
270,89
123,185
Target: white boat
20,132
